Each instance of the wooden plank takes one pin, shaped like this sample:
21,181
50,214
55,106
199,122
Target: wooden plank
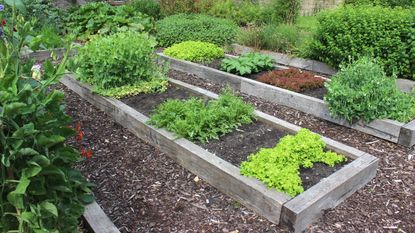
204,72
407,134
301,211
219,173
97,220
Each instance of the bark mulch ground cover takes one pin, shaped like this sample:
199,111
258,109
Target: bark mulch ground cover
160,196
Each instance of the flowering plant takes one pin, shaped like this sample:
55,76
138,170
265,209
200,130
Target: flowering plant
40,191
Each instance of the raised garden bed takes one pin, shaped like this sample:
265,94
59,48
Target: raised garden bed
286,60
390,130
296,212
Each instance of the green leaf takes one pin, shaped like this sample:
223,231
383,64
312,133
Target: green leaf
49,141
16,3
16,197
31,171
49,207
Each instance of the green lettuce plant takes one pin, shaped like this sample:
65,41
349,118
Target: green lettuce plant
279,167
40,189
195,51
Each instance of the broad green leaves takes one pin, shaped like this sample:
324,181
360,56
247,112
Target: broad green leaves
39,187
247,64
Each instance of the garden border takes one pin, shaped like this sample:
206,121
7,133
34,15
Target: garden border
97,221
297,213
390,130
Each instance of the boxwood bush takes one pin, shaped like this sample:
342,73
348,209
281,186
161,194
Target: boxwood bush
362,91
352,32
195,51
184,27
125,69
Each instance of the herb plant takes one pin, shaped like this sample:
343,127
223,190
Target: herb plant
362,91
148,7
292,79
247,64
40,189
195,120
125,69
103,19
279,167
184,27
195,51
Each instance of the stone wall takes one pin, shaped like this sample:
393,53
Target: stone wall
310,7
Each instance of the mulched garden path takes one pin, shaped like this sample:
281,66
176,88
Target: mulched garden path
161,196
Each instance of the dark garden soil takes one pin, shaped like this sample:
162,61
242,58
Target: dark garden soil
236,146
318,93
142,190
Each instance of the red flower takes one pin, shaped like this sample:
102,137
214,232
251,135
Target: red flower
3,22
80,136
87,154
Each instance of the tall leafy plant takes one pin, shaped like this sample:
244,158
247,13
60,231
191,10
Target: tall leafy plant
40,191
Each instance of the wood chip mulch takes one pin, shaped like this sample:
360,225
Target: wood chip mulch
142,190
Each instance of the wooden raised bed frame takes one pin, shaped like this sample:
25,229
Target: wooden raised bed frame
297,213
394,131
97,221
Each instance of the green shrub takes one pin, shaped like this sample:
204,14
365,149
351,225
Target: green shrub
40,189
103,19
195,51
182,27
362,91
47,38
279,167
282,11
352,32
171,7
120,64
195,120
43,11
391,3
282,38
241,12
247,64
148,7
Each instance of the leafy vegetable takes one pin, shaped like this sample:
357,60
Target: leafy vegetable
125,69
195,120
247,64
292,79
195,51
362,91
279,167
